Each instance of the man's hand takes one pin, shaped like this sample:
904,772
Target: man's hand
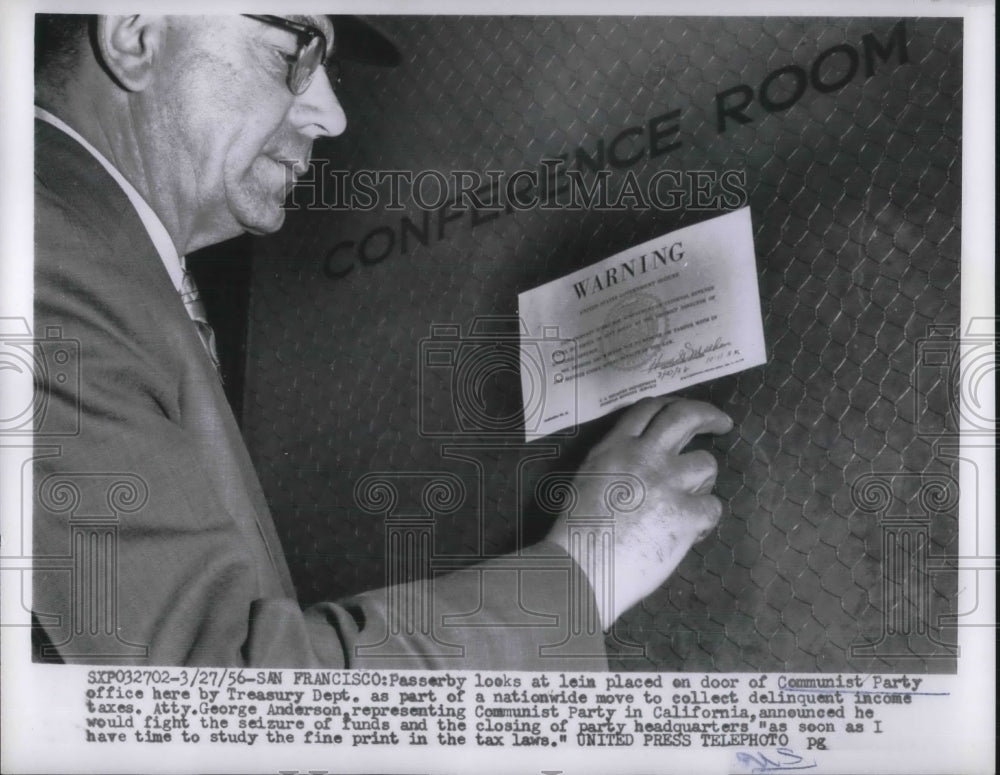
678,509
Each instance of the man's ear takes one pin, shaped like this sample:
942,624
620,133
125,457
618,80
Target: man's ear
128,46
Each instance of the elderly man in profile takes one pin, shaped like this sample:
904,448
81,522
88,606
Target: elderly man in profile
156,136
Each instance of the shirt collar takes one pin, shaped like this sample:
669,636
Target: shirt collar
158,234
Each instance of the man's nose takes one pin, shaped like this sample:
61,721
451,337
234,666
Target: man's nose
317,110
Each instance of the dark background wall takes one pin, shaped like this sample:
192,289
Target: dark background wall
839,504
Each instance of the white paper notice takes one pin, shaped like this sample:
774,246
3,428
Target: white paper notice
669,313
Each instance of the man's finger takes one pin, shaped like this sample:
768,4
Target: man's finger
695,472
680,421
637,417
705,512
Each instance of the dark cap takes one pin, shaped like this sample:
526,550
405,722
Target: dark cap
356,40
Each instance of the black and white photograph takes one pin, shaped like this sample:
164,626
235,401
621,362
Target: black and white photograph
608,389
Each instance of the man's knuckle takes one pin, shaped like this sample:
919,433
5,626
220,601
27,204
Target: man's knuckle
704,461
678,408
713,508
690,413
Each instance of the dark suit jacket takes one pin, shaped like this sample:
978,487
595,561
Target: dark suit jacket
152,538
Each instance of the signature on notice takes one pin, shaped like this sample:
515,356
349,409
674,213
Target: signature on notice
690,352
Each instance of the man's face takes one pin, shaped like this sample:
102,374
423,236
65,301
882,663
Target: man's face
228,134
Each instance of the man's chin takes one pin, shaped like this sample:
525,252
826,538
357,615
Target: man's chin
264,223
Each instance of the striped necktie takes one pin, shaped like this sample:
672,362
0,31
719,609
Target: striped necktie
191,297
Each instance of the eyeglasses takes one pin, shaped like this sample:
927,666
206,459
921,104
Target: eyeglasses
310,54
